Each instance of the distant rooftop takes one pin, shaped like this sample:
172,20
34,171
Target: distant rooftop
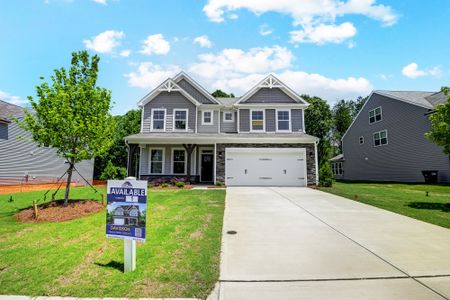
424,99
228,102
9,111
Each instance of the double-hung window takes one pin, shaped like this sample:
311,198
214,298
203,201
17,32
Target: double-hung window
180,119
207,117
380,138
156,161
375,115
257,120
158,119
283,120
228,116
179,161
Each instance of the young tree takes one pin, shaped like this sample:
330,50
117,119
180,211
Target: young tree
342,118
72,114
222,94
440,124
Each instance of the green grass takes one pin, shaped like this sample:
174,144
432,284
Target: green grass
406,199
179,259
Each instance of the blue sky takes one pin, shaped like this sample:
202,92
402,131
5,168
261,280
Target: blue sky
329,48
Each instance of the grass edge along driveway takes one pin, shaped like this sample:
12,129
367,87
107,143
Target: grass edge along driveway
405,199
180,258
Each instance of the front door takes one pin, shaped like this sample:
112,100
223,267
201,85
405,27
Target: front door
207,168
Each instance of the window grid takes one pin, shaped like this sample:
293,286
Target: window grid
257,120
375,115
380,138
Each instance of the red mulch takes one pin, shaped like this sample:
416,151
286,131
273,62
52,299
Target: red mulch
56,212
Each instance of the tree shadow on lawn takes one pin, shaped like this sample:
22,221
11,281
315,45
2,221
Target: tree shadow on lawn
112,265
445,207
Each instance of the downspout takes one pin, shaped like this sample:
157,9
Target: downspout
316,162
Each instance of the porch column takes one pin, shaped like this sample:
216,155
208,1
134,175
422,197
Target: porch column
130,166
189,150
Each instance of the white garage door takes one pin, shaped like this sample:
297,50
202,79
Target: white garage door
265,167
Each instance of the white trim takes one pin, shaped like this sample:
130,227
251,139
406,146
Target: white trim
142,119
151,119
238,121
173,119
361,138
271,105
232,116
375,116
196,85
218,121
289,121
379,132
196,119
172,161
163,160
167,86
264,120
212,117
316,162
303,120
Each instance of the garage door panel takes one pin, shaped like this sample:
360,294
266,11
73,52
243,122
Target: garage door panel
265,166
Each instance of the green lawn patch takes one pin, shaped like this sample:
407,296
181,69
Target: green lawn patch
74,258
407,199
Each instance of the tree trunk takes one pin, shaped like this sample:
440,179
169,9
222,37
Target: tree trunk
69,179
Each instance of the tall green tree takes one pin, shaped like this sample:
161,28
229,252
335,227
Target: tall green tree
342,118
72,113
116,157
440,124
222,94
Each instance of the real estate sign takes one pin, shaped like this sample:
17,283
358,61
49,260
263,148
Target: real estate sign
126,209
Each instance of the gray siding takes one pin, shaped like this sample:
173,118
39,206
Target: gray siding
191,90
228,127
270,120
144,166
19,157
214,128
169,101
296,120
267,95
408,152
244,120
3,131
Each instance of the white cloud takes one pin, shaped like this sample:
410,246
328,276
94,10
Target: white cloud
203,41
155,44
412,70
233,17
149,75
125,53
100,1
11,99
105,42
315,18
229,61
323,34
265,29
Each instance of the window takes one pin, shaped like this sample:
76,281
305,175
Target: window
228,116
178,161
336,168
283,120
361,140
158,119
207,117
375,115
380,138
156,161
3,131
257,120
180,119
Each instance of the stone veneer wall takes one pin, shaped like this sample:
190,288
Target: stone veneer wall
310,160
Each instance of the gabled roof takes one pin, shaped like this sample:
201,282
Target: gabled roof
411,97
9,111
437,98
203,91
272,82
339,157
167,86
227,102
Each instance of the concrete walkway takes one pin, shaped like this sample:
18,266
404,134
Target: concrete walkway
294,243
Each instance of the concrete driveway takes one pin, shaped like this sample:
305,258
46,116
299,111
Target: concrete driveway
300,243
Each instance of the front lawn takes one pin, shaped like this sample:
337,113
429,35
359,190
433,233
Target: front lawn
406,199
74,258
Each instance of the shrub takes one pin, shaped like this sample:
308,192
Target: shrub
218,183
325,175
164,185
180,184
113,172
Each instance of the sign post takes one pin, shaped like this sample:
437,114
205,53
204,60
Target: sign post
126,215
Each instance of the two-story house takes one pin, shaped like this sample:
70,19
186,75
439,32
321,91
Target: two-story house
256,139
386,141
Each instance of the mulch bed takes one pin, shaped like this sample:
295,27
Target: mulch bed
56,212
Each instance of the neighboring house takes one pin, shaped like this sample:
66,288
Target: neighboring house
257,139
126,215
386,141
23,161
